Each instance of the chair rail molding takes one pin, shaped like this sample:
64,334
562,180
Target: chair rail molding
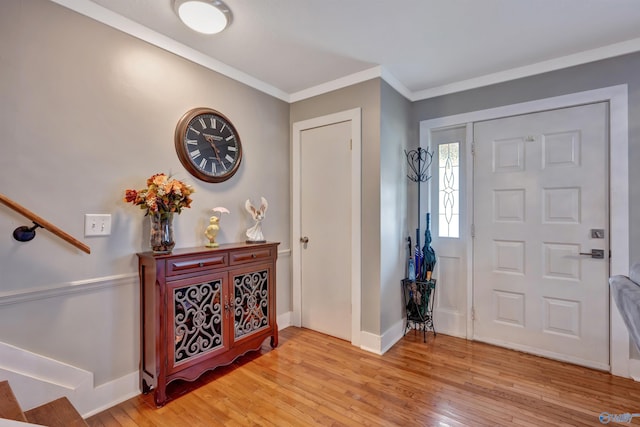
77,286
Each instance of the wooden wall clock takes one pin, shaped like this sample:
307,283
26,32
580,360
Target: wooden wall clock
208,145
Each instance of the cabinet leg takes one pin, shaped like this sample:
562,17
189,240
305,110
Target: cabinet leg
274,338
145,388
160,396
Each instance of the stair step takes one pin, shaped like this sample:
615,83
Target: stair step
57,413
9,406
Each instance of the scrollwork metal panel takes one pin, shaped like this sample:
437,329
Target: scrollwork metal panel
197,319
251,302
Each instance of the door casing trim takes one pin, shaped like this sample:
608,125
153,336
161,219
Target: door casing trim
617,96
354,116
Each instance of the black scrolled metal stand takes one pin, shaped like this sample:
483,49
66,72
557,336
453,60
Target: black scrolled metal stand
419,298
419,161
419,293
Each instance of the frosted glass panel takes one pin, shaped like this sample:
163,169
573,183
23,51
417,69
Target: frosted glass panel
449,191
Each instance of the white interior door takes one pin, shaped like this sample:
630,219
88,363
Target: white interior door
540,200
325,194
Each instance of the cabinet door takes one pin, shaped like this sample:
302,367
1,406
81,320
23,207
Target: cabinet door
253,300
196,320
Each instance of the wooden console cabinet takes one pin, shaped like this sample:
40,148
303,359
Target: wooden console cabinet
201,308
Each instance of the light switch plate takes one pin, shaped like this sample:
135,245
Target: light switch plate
97,225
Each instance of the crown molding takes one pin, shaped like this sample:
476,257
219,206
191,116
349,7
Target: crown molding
114,20
336,84
584,57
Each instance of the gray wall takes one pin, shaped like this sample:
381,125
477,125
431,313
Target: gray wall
396,135
85,112
365,95
609,72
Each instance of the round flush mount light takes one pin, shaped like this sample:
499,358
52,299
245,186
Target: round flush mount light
203,16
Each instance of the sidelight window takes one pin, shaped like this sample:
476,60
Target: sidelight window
449,190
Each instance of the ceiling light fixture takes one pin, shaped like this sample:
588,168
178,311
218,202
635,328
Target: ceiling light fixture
203,16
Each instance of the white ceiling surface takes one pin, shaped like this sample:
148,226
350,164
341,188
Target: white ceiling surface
297,48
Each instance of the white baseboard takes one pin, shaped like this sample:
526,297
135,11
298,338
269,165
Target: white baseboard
392,335
634,369
380,344
285,320
112,393
371,342
36,380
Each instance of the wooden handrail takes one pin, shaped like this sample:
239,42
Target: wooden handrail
43,223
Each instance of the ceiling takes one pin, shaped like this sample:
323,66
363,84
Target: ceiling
294,49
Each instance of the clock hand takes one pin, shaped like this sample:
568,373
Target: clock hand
211,137
211,140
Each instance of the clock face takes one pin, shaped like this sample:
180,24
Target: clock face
208,145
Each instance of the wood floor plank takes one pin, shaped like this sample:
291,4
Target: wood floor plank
9,406
57,413
315,380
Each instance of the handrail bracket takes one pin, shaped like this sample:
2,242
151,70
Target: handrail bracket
24,233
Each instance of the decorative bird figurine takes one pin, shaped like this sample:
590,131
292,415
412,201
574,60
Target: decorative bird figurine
214,226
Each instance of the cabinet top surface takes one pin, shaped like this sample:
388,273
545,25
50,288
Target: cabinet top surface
202,249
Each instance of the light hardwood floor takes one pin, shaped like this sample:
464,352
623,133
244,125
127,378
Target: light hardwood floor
315,380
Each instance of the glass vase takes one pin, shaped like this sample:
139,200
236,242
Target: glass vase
161,238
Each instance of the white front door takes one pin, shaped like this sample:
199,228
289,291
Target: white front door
325,193
540,203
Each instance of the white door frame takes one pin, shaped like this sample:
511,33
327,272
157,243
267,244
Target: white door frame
621,363
354,116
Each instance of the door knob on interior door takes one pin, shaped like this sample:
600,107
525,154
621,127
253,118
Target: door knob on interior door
595,253
304,240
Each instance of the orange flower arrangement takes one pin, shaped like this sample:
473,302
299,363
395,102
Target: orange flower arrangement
163,195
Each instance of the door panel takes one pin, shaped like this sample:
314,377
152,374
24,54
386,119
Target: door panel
540,188
326,222
449,224
199,323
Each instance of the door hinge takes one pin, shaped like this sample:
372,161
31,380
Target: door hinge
473,230
473,148
473,313
351,144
